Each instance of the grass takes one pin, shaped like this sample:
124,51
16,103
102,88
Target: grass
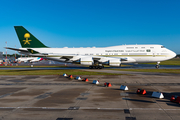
176,71
52,72
174,61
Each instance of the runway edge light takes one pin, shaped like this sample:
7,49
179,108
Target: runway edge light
78,78
95,82
106,84
157,95
123,87
65,75
70,76
85,80
141,91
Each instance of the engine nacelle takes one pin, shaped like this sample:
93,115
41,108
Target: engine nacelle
75,58
86,61
114,62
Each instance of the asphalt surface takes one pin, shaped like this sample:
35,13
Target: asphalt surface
53,97
74,66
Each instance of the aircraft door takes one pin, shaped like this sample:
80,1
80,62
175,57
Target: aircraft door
154,53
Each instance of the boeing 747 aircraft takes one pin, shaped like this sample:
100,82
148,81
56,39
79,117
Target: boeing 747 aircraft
93,57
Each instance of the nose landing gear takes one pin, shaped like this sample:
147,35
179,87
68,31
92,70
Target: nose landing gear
157,65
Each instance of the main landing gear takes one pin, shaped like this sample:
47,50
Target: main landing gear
96,67
157,65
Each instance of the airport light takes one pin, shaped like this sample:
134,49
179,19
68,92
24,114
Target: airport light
15,52
6,50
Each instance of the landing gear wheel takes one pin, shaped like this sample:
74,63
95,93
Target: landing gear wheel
100,67
96,67
157,66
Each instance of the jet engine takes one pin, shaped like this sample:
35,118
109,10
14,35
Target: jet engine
114,62
86,61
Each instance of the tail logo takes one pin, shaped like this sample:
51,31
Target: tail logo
27,36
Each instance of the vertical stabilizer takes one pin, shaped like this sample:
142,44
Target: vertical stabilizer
26,39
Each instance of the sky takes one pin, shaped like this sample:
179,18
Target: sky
89,23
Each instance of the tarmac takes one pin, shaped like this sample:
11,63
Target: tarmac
54,97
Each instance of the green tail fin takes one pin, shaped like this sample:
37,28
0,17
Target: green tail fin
26,39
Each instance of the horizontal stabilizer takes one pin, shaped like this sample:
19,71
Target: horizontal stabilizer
17,49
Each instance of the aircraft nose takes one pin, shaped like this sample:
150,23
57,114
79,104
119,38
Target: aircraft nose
173,54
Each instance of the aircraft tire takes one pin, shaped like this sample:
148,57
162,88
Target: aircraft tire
100,67
157,66
90,67
96,67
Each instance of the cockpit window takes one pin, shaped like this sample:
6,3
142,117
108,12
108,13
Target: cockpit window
162,47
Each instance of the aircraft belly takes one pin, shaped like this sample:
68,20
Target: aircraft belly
150,59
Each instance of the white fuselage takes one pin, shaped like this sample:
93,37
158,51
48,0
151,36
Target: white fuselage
30,59
125,53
